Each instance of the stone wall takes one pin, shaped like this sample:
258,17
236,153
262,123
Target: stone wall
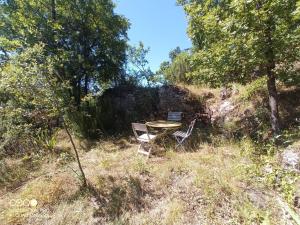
144,104
173,98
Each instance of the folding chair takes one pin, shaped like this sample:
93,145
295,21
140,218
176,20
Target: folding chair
174,116
181,136
144,138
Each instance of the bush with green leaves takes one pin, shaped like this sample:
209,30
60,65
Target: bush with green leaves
177,70
267,167
29,98
87,37
240,41
254,88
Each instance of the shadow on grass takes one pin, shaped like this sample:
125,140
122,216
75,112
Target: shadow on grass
113,197
202,133
15,174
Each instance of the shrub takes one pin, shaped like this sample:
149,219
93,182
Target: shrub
254,88
28,100
114,111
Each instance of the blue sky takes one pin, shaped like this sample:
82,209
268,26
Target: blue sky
159,24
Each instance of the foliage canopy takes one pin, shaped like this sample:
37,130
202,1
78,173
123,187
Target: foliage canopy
236,40
176,70
29,95
87,38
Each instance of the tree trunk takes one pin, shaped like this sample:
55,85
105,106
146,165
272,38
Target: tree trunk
273,102
53,15
53,10
84,182
86,84
78,94
271,83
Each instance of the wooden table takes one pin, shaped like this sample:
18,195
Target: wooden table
167,127
164,124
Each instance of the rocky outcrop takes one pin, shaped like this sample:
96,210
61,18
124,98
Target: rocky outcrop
123,105
173,98
234,117
290,158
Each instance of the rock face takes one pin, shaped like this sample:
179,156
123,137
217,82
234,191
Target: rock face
290,158
173,98
290,161
221,112
124,105
226,107
257,197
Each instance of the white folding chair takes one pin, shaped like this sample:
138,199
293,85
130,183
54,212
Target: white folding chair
144,138
181,136
174,116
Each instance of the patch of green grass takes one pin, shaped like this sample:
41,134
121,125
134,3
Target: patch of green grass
174,212
140,165
258,86
249,214
106,164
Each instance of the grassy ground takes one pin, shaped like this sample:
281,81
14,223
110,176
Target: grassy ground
207,186
216,182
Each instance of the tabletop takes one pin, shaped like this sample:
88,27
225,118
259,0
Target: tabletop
163,124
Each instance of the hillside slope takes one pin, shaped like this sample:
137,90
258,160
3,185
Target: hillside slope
220,181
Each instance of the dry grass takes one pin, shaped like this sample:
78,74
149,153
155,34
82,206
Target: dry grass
174,212
63,143
77,212
203,91
13,173
210,185
202,187
210,180
46,191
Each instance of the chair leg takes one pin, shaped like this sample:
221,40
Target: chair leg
180,143
140,148
149,152
177,142
182,147
151,146
143,149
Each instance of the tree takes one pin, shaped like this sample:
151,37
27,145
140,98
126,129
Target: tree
177,68
138,66
173,53
237,40
28,91
86,36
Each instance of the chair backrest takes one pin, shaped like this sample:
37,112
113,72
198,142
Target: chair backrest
174,116
139,127
191,127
